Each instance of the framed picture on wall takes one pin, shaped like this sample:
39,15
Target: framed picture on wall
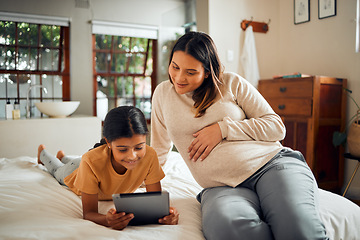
327,8
301,11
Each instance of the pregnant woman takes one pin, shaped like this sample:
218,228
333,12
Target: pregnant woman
228,135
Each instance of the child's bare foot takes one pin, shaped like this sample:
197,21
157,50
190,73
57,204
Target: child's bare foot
60,154
40,148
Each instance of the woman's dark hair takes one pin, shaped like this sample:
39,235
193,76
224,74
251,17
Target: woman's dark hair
123,122
202,48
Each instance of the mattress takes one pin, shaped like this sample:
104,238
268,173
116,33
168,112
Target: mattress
33,205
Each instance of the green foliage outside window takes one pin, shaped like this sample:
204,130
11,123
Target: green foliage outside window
30,54
30,46
123,68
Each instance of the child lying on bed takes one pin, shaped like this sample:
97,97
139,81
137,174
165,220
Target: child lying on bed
120,163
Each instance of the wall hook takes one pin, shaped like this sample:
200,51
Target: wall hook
257,26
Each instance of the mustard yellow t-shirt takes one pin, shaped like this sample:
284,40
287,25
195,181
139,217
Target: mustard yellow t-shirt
96,174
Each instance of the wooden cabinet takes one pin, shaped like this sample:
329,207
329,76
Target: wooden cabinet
312,108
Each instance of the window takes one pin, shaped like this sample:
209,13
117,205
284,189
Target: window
33,54
124,72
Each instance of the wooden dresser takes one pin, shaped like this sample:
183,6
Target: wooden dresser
312,108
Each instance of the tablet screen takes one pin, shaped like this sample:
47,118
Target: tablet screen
147,207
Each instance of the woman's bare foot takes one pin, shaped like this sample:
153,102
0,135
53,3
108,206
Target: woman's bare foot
60,154
40,148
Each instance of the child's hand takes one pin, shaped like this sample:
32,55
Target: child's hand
118,221
171,219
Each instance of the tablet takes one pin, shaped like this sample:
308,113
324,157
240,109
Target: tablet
147,207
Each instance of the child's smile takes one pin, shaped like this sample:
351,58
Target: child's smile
127,152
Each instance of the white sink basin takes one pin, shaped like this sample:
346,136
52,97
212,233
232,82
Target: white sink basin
57,109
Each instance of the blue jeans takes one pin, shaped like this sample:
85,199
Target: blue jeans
279,201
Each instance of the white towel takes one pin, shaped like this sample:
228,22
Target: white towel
248,58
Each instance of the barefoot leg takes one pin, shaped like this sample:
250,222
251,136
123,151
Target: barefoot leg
60,154
51,162
40,148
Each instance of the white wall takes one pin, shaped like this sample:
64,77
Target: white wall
70,134
224,27
319,47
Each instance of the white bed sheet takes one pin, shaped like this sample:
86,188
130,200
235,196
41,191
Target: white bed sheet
34,206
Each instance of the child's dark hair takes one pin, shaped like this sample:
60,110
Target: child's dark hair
123,122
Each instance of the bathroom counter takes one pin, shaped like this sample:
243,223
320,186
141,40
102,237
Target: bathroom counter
74,135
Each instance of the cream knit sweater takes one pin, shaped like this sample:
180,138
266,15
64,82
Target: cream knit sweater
250,129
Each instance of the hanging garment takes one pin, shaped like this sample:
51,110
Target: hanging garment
248,58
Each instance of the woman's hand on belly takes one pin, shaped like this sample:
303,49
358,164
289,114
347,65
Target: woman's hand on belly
205,141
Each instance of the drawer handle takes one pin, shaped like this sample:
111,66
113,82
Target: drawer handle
282,89
281,107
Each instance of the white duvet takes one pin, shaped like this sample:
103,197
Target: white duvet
34,206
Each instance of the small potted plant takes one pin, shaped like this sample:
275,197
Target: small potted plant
351,134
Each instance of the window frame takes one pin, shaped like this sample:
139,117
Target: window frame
110,73
63,62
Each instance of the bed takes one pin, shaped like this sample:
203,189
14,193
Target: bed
34,206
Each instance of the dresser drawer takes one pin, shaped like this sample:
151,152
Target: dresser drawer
291,106
312,108
286,88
